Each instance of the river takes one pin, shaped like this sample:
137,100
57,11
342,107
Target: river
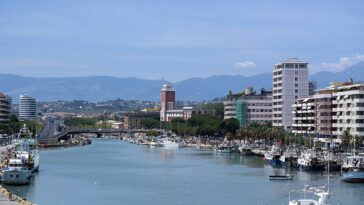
112,172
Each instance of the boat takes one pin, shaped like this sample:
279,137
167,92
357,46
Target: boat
309,161
169,143
27,150
281,177
246,149
16,172
323,195
223,149
24,161
352,170
289,157
272,156
322,192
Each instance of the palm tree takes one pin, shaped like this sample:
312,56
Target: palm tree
345,139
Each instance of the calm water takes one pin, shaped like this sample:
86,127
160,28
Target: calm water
116,172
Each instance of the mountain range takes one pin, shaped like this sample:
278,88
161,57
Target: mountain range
102,88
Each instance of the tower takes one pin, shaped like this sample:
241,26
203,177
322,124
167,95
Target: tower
168,100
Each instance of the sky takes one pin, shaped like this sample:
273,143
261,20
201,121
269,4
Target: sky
174,39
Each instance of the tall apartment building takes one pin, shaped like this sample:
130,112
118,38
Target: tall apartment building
5,108
249,107
168,101
290,82
348,110
27,107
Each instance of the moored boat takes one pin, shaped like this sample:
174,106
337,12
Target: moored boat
281,177
308,161
246,149
16,172
272,156
353,169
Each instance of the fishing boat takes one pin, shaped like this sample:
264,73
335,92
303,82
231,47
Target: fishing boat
323,195
353,169
272,156
309,161
289,157
16,172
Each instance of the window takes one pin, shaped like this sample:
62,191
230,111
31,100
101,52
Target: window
295,79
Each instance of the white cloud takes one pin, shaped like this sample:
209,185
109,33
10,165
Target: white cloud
343,63
245,64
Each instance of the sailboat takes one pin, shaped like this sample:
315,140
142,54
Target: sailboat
321,192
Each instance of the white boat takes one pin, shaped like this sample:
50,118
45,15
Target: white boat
169,143
222,148
27,150
353,169
246,149
320,192
16,172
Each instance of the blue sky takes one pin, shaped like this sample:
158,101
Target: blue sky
176,39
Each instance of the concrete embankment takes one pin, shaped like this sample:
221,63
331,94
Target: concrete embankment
8,198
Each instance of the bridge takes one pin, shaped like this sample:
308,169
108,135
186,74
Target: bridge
53,131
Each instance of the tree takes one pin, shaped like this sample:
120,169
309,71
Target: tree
150,123
230,125
345,139
152,133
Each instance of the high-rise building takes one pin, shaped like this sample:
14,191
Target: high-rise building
249,107
5,108
168,101
290,82
27,107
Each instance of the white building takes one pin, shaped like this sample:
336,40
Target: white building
27,107
5,108
290,82
348,110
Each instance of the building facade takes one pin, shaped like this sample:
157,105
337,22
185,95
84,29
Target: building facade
5,108
27,107
249,107
331,111
348,110
135,120
290,82
313,115
168,101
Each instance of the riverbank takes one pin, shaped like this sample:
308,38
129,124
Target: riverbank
8,198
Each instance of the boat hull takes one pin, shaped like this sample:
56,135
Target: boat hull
16,177
353,176
311,167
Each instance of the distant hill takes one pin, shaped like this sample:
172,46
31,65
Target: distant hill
100,88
